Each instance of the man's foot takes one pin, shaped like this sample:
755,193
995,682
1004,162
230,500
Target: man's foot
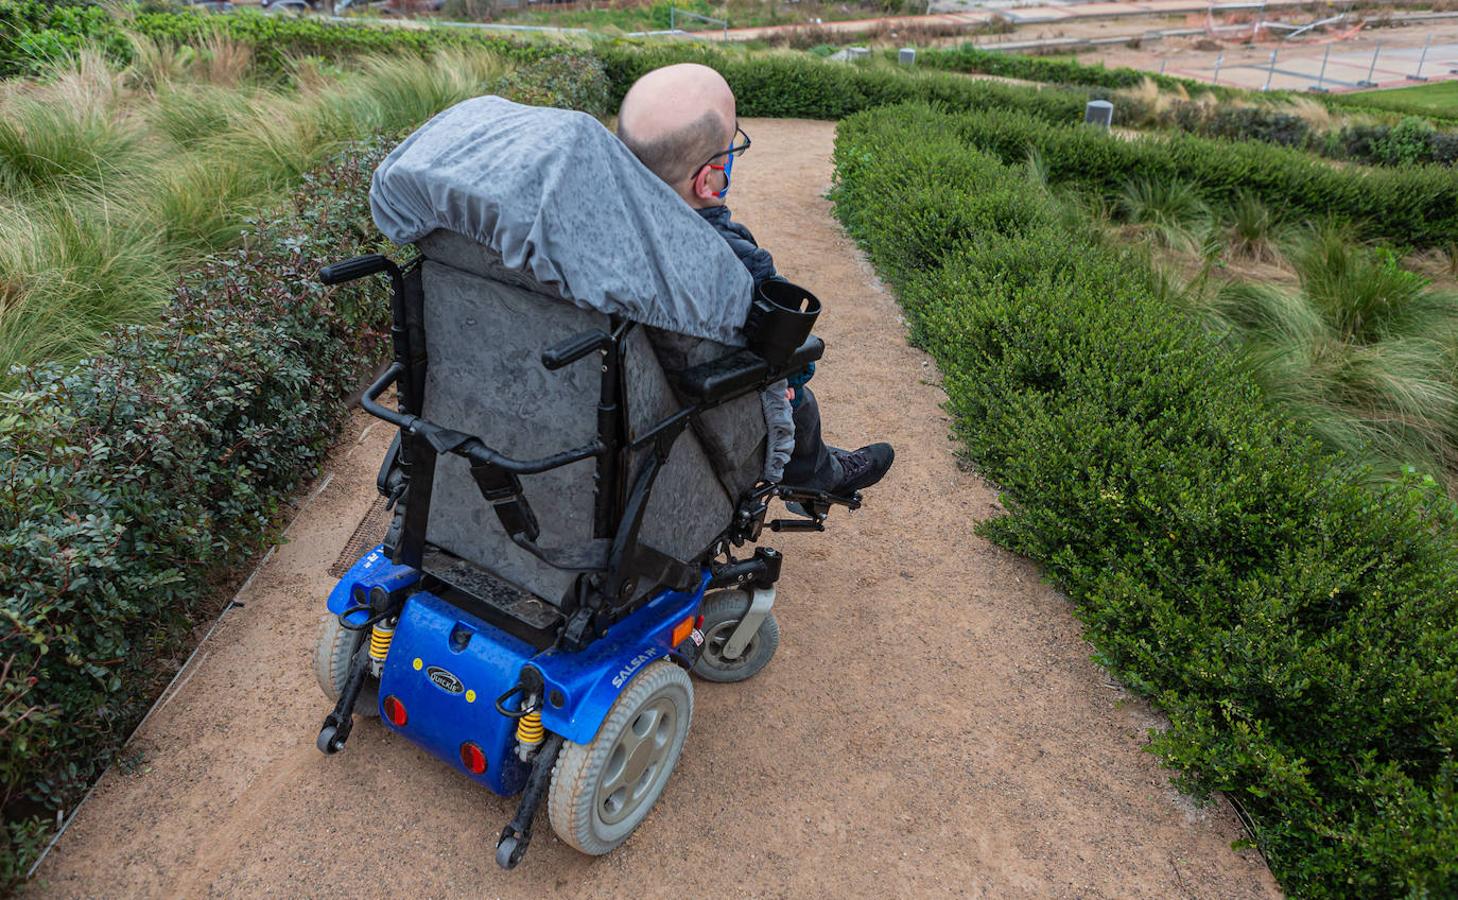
861,468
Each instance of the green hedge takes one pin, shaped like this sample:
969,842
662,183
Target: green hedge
794,85
1413,206
1298,625
1005,64
130,482
35,32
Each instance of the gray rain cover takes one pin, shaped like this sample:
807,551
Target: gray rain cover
560,197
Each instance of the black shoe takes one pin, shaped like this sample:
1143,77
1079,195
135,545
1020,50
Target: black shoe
861,468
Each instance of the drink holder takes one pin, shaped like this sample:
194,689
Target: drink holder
779,320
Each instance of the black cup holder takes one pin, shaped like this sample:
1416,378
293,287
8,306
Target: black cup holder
779,321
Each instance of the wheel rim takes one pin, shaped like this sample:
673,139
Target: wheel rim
637,761
715,640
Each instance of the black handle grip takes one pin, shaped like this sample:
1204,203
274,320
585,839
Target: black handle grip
574,348
350,269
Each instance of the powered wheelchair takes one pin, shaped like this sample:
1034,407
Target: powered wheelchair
586,440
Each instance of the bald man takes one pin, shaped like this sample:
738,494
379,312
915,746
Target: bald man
681,122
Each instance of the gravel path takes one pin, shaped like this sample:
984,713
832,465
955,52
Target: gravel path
932,724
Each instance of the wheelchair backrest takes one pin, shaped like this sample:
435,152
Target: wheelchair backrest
485,326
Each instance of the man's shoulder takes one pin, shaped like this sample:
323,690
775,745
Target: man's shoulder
723,222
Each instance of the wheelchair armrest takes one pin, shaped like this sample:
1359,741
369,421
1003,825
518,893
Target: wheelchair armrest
719,379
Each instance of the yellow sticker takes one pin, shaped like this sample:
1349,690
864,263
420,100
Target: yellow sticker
470,696
417,664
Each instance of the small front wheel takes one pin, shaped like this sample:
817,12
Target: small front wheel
603,790
504,850
722,612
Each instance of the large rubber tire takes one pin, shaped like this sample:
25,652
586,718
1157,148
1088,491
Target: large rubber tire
722,612
332,653
602,791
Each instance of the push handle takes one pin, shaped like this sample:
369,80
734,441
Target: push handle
358,267
574,348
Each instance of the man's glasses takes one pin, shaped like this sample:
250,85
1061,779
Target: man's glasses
737,146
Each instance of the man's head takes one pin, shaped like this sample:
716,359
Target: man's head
677,119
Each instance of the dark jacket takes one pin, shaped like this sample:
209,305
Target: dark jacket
757,260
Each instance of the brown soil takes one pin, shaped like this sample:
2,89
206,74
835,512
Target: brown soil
932,724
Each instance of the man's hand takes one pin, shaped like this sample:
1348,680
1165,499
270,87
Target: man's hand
790,394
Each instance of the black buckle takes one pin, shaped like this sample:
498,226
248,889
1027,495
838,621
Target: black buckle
502,489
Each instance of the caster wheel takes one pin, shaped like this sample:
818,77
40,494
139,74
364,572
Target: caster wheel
325,742
504,851
722,612
603,790
332,652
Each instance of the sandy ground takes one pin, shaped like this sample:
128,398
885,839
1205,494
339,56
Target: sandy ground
931,726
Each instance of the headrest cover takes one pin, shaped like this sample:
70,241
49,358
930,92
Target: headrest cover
559,197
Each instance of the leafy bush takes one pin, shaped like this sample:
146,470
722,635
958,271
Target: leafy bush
569,80
1416,206
1005,64
1296,623
792,85
277,39
129,482
36,32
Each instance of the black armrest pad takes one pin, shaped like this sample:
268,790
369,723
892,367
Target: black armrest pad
739,371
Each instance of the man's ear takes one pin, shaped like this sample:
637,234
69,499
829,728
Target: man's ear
700,187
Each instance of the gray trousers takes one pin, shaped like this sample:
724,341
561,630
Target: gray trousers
811,464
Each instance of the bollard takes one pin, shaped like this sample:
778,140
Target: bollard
1099,112
1371,69
907,56
1320,86
1270,70
1219,60
1418,75
1162,64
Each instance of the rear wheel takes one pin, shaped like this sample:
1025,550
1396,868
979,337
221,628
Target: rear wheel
601,791
333,651
722,612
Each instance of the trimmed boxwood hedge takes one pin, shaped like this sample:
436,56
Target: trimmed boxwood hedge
793,85
130,483
1297,623
1414,206
1006,64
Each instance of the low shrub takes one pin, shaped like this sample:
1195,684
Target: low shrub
1297,623
1415,206
1005,64
791,85
34,33
131,482
569,80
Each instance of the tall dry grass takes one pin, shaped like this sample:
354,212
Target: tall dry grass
112,180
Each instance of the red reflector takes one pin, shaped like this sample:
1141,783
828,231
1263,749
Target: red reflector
394,711
473,759
699,622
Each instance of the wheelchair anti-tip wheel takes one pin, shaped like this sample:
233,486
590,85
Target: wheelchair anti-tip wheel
722,612
603,790
333,651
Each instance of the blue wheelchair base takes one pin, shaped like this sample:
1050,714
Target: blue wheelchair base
450,680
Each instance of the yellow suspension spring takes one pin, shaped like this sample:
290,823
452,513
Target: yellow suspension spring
380,636
529,728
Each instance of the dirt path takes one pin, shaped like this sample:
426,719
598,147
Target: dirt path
932,724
